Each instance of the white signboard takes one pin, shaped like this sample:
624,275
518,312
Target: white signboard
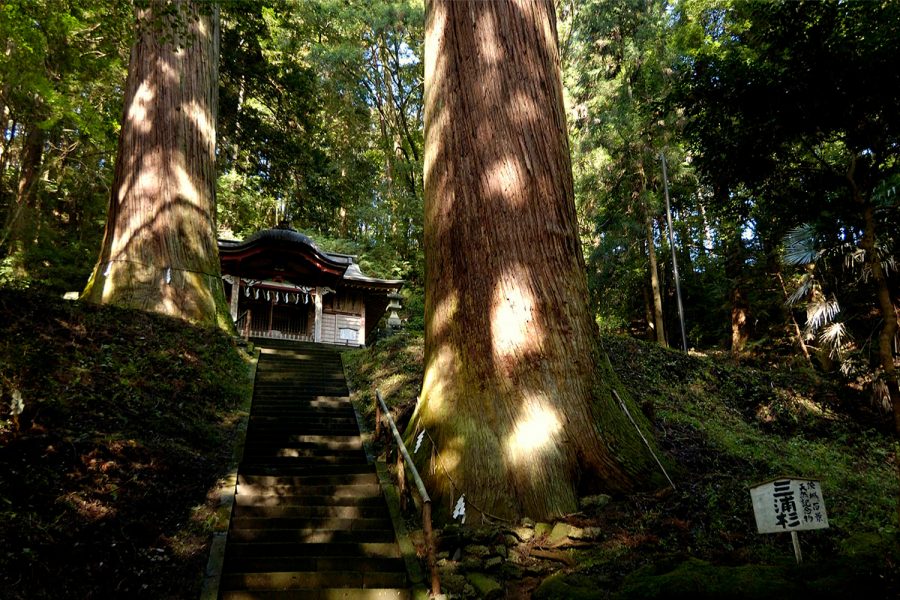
788,504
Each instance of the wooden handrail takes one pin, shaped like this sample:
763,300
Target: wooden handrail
242,324
381,408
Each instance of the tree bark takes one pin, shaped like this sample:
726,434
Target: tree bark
22,219
654,284
740,305
159,250
885,306
516,394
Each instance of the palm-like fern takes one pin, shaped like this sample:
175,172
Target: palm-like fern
803,247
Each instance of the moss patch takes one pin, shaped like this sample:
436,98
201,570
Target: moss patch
129,421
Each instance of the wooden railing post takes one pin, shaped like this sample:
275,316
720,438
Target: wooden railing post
401,481
377,418
429,547
403,456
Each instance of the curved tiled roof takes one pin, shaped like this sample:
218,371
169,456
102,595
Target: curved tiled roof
286,253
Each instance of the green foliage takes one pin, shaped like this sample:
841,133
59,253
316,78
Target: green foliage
321,122
393,365
61,79
760,424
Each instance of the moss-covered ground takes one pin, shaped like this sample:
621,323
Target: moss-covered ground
724,426
107,475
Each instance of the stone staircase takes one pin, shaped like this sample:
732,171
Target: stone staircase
309,520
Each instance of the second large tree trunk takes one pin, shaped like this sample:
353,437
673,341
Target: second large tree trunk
516,395
159,251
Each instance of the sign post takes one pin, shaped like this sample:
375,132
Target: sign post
789,504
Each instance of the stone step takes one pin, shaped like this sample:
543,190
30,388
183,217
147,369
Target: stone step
256,486
274,431
317,467
292,373
292,350
330,549
303,448
296,394
275,416
337,475
312,380
267,430
286,423
312,400
286,353
271,449
297,397
291,391
321,403
326,564
287,419
309,520
300,440
309,513
363,476
311,580
300,408
320,594
311,523
288,426
312,536
273,498
302,414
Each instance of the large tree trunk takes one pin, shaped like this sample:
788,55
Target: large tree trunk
516,395
159,251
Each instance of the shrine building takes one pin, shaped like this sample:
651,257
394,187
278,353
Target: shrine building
281,285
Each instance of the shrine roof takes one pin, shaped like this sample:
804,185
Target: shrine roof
287,255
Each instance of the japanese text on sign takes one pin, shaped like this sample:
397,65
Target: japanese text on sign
787,504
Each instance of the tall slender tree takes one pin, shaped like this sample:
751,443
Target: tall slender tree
516,394
159,249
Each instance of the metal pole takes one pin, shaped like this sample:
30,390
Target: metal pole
674,260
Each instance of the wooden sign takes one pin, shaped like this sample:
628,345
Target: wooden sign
789,504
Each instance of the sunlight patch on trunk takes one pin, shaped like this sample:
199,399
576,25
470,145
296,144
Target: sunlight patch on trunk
504,179
185,186
441,368
489,47
137,112
199,114
534,433
513,329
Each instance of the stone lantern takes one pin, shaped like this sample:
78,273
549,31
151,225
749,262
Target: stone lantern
393,321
